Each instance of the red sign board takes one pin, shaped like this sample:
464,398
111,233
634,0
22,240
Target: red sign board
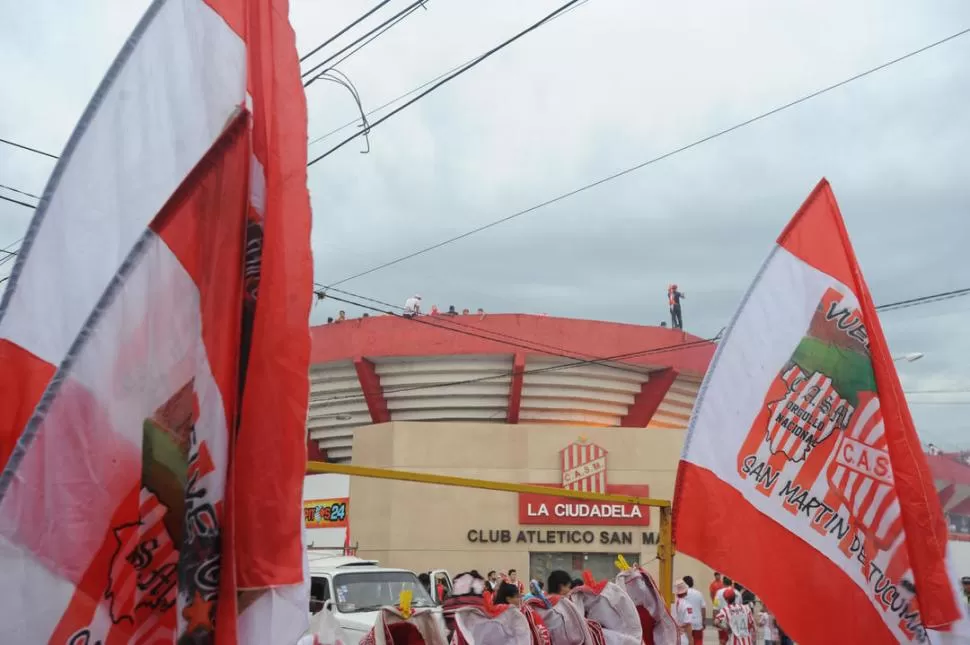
584,468
548,509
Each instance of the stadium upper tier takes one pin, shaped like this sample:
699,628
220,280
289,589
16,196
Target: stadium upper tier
500,368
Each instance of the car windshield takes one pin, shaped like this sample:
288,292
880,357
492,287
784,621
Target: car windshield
370,590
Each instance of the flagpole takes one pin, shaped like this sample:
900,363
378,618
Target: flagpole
665,555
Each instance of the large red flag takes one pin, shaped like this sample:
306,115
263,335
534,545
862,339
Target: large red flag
154,338
802,475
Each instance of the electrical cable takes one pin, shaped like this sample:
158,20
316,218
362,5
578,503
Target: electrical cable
22,192
28,148
938,297
937,402
420,87
17,201
370,40
403,12
536,347
452,320
343,31
539,370
630,169
334,75
448,78
599,360
10,254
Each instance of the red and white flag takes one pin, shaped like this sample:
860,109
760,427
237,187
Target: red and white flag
802,475
154,349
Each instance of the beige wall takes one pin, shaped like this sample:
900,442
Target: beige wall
423,527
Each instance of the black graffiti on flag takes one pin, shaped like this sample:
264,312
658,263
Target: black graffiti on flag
201,550
155,578
884,590
848,321
83,637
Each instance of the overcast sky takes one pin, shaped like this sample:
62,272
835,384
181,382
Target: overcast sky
609,85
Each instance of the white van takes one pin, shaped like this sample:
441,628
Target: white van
355,590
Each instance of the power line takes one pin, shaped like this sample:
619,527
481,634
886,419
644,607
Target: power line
938,402
17,201
10,254
539,370
599,360
403,12
16,190
937,297
422,86
28,148
636,167
343,31
475,331
371,39
533,346
448,78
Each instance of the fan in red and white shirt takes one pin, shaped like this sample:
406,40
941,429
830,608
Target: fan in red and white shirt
736,620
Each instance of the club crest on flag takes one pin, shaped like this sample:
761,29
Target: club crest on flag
813,399
808,414
861,478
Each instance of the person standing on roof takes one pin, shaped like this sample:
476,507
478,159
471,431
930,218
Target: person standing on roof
674,297
412,306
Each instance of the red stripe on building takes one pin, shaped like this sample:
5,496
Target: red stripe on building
651,395
515,387
370,383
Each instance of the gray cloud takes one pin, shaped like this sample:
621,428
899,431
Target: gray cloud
606,86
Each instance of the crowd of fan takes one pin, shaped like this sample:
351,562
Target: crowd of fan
731,602
412,307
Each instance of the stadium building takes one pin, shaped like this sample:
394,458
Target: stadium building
522,398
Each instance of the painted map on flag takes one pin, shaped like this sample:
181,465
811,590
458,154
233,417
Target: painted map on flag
154,349
802,475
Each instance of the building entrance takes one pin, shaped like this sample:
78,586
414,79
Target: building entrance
601,565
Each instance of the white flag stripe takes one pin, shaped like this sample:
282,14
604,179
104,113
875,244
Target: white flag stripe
176,88
40,593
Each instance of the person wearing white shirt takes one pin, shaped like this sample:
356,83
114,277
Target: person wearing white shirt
412,306
681,610
719,596
698,611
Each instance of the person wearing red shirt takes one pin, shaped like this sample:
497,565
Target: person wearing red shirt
716,585
514,579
